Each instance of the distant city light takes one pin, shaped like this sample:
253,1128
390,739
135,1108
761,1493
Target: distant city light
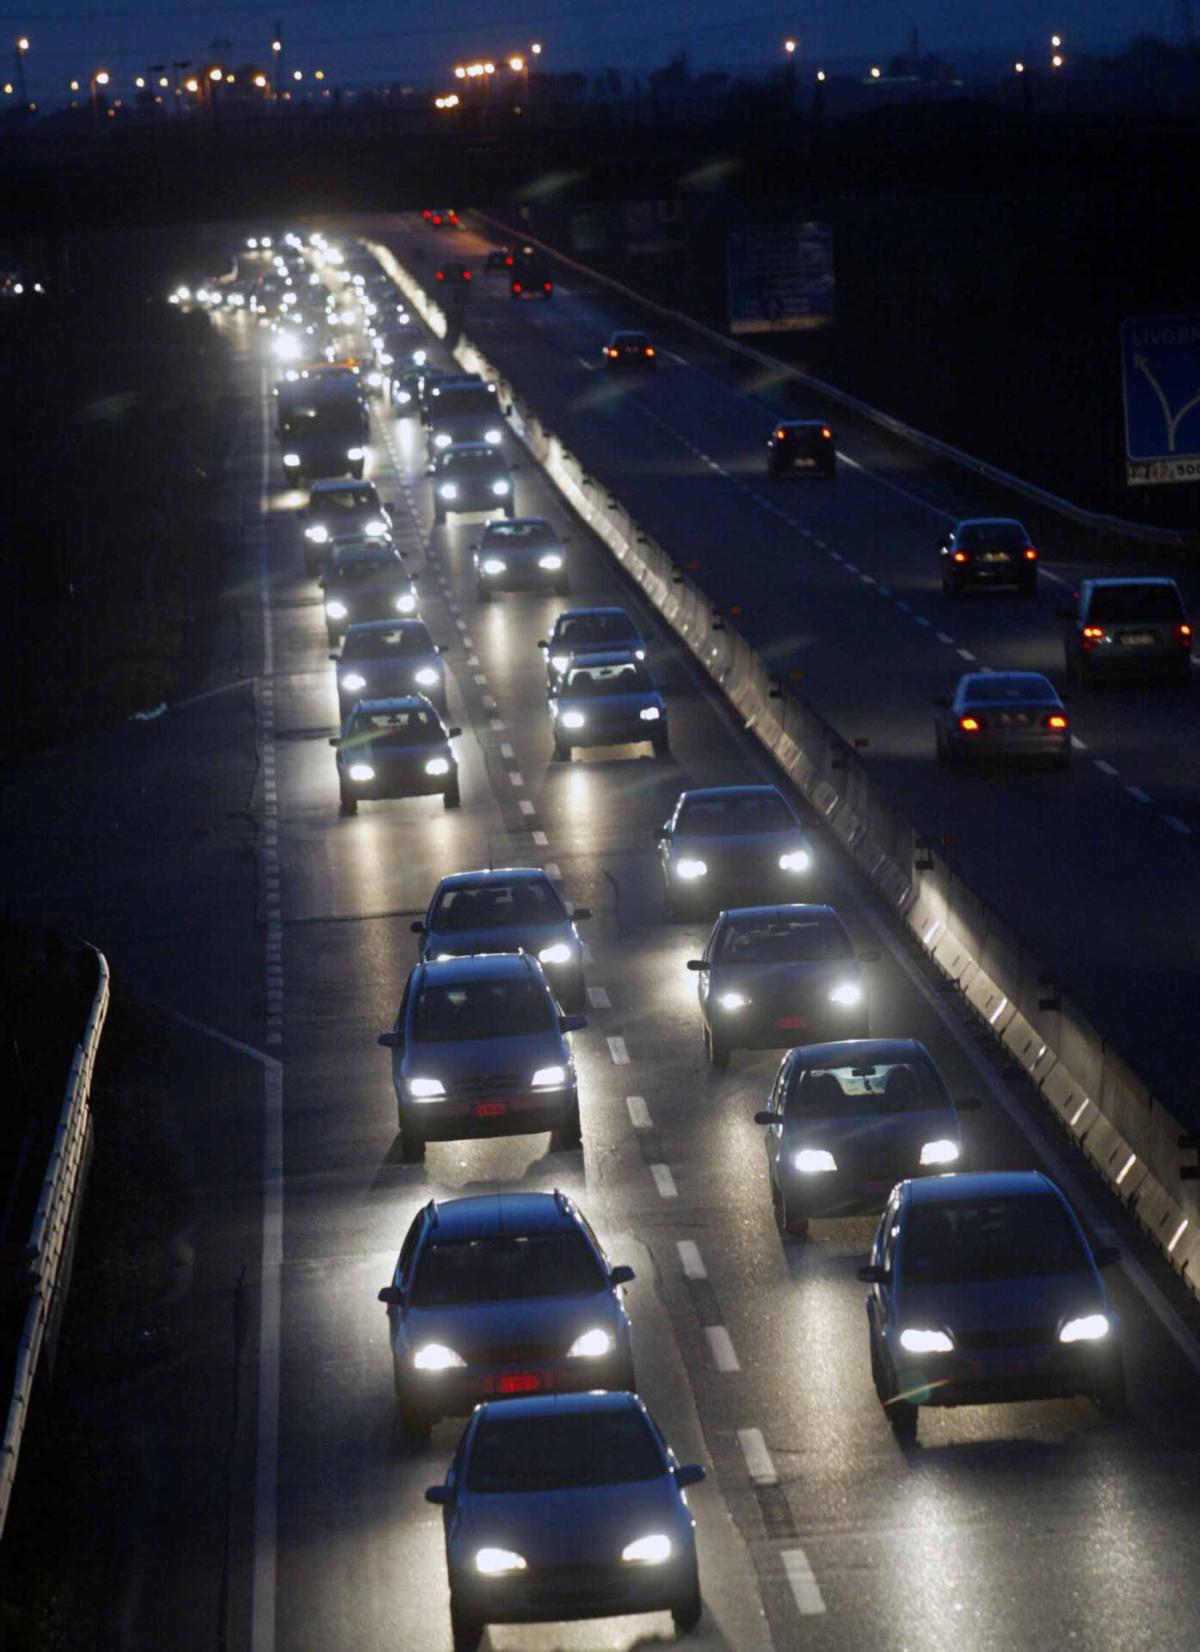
215,75
319,75
163,81
260,81
101,77
1019,68
516,64
1057,61
789,47
297,74
23,43
192,85
277,45
74,86
875,73
1056,41
459,72
536,48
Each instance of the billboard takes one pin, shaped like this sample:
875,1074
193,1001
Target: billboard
780,278
1160,370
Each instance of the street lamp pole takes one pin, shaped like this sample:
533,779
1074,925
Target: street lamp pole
22,46
177,66
277,50
99,77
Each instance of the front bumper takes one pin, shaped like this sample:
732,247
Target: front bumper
747,1030
546,1594
1000,1376
629,731
522,576
436,1394
398,783
523,1114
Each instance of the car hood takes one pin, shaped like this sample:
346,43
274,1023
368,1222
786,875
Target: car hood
554,1528
1001,1304
738,844
532,938
467,1058
551,1320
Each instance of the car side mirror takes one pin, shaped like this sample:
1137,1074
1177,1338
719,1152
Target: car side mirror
942,700
871,956
437,1494
392,1295
542,643
698,964
453,732
417,926
335,658
622,1275
579,913
690,1474
765,1116
968,1104
508,411
572,1023
871,1275
391,1040
390,507
335,740
1105,1255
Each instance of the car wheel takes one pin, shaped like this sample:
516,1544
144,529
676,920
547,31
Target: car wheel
466,1632
902,1415
662,745
412,1144
717,1050
439,517
349,805
877,1368
562,754
569,1133
1111,1399
452,796
686,1614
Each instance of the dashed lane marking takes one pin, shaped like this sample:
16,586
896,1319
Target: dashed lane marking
1138,795
639,1113
664,1181
598,998
759,1466
720,1346
1177,825
810,1602
1105,768
618,1051
541,841
689,1251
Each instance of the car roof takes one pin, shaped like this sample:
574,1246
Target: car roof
578,613
859,1052
1034,680
784,909
1131,580
801,424
981,1184
550,1405
989,522
708,793
493,874
348,550
397,702
471,966
485,1215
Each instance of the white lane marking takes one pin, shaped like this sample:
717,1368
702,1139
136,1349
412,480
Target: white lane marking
472,659
867,579
851,567
480,678
689,1256
810,1602
583,362
598,998
553,870
497,724
921,620
461,623
720,1346
505,749
516,777
942,637
1177,825
526,807
616,1049
1077,743
1105,768
664,1181
1138,795
759,1466
467,642
904,607
639,1113
540,840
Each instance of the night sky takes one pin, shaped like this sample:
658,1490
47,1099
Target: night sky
366,42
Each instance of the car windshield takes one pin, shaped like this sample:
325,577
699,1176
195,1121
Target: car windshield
999,536
511,1007
496,905
593,628
345,502
399,640
473,457
518,533
361,570
972,1240
413,727
1001,686
466,402
505,1266
1135,602
750,812
559,1453
624,677
887,1087
782,941
631,341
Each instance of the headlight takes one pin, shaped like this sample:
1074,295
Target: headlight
559,953
425,1089
441,439
406,603
549,1078
336,609
500,488
847,994
438,765
354,454
690,869
354,681
291,459
939,1152
449,490
798,860
386,361
551,561
650,714
426,677
418,358
649,1551
404,397
361,771
733,1001
493,565
435,1356
492,437
810,1161
1088,1328
572,719
375,379
491,1562
560,662
639,653
318,533
591,1345
376,528
926,1342
286,348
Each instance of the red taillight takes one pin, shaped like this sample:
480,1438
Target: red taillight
466,275
649,349
1184,633
1056,720
548,286
1092,634
959,556
1030,554
516,286
826,433
969,725
427,213
508,263
440,276
780,435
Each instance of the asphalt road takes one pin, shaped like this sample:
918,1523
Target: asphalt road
1004,1528
841,583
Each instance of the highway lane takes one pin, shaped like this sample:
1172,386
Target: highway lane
1018,1523
841,584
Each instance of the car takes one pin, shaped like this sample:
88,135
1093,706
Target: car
1125,627
397,747
988,550
771,973
453,272
497,1295
608,699
802,444
431,380
406,390
578,630
441,218
363,581
463,410
997,715
566,1506
480,1048
471,477
523,553
498,261
724,841
387,657
847,1120
985,1290
531,277
338,509
630,350
508,909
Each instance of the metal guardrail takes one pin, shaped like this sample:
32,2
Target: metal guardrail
1096,520
52,1235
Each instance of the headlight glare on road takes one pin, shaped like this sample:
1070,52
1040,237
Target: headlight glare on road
847,994
493,565
689,869
733,1000
918,1341
593,1344
361,771
939,1152
500,488
438,765
812,1161
336,609
796,860
572,719
426,677
551,562
651,1550
448,490
425,1089
1087,1328
559,953
650,714
435,1356
492,1562
549,1078
354,681
406,603
318,533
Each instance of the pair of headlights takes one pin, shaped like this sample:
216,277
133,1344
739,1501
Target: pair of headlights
1084,1328
435,1356
691,867
816,1161
354,682
577,719
363,772
847,995
651,1550
432,1089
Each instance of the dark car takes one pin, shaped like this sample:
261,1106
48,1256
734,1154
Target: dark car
524,553
732,841
773,974
387,657
625,350
1128,627
988,550
985,1290
480,1049
508,909
531,278
324,429
338,509
406,390
594,630
498,261
608,699
847,1120
501,1295
564,1507
453,272
802,444
471,477
464,410
362,582
441,217
395,748
998,715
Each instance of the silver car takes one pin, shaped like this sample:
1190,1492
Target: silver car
994,715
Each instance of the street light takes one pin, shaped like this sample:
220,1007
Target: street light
536,48
98,78
1018,68
22,46
875,73
789,47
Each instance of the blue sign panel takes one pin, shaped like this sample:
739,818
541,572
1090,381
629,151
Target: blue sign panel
1160,367
780,278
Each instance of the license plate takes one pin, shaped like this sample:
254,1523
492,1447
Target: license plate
1136,639
490,1109
519,1382
995,556
790,1023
